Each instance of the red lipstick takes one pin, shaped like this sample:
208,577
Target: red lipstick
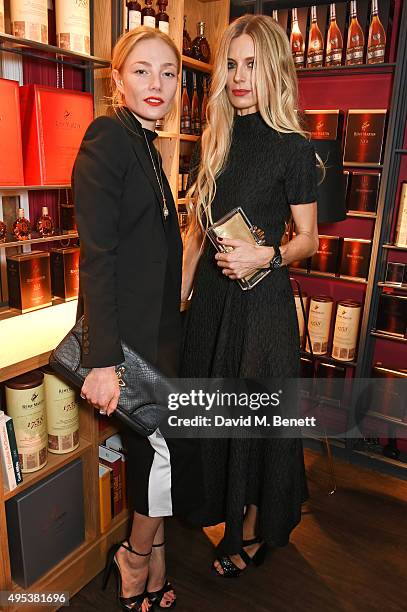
240,92
154,101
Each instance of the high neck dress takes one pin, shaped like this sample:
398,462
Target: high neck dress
252,334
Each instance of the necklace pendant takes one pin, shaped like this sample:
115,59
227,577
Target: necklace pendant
166,212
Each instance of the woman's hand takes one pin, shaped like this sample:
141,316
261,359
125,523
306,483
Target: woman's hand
244,259
101,389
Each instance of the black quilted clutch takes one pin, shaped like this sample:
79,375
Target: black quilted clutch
141,385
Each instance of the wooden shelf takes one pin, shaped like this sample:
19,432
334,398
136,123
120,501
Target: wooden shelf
393,247
362,69
167,134
361,215
384,336
20,243
330,360
392,286
54,463
19,188
189,137
22,46
193,64
359,281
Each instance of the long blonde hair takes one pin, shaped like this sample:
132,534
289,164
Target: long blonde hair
277,95
125,46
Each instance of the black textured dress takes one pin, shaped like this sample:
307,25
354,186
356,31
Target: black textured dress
252,334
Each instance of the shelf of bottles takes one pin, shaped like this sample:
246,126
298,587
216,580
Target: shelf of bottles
135,15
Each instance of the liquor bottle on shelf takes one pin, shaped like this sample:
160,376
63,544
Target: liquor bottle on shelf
45,225
356,40
334,40
195,115
3,231
162,18
22,226
67,214
204,104
376,43
275,15
315,51
148,14
200,46
185,107
186,40
134,14
296,41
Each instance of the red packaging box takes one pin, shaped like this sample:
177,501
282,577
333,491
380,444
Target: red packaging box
11,160
53,123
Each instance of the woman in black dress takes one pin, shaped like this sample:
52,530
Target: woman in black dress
130,277
262,161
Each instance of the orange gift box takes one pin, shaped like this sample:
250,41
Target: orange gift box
11,160
53,123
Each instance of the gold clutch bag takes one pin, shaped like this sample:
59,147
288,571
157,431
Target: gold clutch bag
236,225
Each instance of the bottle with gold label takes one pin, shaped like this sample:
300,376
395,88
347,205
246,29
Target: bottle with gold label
376,44
25,404
200,46
204,104
185,107
22,226
186,40
45,225
296,41
334,40
356,40
315,52
62,409
148,14
162,18
195,115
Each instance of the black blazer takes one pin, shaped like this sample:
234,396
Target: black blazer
124,249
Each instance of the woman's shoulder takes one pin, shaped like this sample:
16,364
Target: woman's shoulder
105,130
295,141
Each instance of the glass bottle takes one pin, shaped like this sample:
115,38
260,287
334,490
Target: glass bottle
186,40
134,12
45,225
376,43
162,18
356,39
334,41
195,115
148,15
22,226
3,231
204,104
200,46
315,42
185,107
125,27
297,41
275,15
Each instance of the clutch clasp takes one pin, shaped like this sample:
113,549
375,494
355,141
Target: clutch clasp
119,373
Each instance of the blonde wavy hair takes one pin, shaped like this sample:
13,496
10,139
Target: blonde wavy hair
125,45
277,94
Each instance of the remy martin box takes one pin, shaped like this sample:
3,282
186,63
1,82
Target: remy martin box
363,192
65,272
323,124
325,260
395,273
11,160
364,137
29,280
355,258
392,315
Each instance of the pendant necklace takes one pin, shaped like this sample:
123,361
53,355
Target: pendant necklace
166,212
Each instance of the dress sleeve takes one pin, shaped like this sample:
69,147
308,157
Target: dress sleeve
97,180
301,173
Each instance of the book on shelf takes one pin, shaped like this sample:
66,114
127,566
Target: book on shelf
113,460
104,497
115,443
10,462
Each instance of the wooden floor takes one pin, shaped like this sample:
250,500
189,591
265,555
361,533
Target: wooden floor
348,553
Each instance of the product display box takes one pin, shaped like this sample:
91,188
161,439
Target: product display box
363,192
53,123
396,273
323,124
45,523
355,258
11,160
331,187
29,280
401,227
389,398
364,137
392,315
65,272
325,260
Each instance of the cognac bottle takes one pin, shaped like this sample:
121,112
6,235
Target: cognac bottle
195,115
186,41
134,12
356,39
3,231
204,104
315,42
296,41
334,41
185,107
45,225
148,15
376,43
22,226
162,18
200,46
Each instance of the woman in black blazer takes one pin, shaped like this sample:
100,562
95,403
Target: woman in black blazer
130,278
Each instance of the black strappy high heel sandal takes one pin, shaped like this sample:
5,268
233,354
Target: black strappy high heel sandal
156,597
135,602
231,570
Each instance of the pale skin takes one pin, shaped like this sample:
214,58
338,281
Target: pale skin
245,258
149,74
